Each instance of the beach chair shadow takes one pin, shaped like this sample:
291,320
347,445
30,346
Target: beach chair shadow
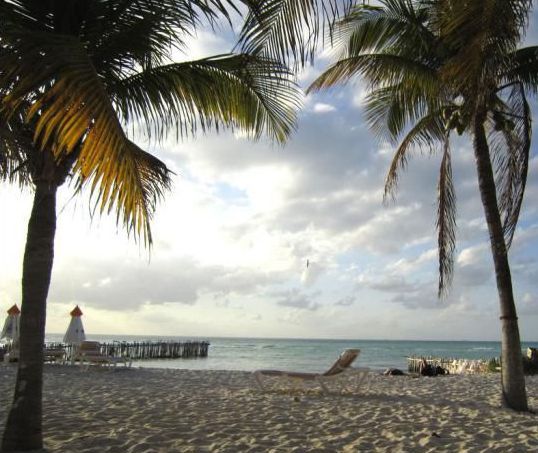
342,365
89,353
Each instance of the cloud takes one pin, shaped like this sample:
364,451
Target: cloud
320,107
128,285
474,266
387,283
406,266
346,301
528,305
294,298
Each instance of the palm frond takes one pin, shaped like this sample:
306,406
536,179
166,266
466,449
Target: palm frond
524,68
397,25
510,140
289,30
15,147
120,35
391,109
405,89
428,132
481,36
446,221
378,69
70,106
251,93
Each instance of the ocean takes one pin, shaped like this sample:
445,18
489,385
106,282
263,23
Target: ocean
248,354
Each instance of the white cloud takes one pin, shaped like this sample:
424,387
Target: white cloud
320,107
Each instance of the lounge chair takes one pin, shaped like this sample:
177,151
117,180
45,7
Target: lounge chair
343,364
89,352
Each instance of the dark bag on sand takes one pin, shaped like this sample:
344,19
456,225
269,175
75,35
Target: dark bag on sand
426,369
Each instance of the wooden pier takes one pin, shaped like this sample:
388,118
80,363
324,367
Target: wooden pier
145,350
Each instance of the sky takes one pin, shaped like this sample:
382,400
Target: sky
232,239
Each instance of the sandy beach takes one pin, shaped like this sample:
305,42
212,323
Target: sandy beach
148,410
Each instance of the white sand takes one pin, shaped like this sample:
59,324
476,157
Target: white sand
148,410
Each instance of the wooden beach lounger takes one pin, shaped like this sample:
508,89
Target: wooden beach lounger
90,352
343,364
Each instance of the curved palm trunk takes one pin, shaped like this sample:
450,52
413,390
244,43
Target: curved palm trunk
23,426
512,377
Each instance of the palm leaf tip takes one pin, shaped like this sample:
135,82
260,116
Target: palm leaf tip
145,188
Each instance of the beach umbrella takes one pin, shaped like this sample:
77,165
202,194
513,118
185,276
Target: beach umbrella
12,324
75,332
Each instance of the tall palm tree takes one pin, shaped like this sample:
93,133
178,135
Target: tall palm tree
73,75
435,66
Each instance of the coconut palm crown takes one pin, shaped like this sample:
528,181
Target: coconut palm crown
74,73
435,67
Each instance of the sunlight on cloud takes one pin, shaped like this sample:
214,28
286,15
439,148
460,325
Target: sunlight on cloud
409,265
320,107
202,45
472,255
359,95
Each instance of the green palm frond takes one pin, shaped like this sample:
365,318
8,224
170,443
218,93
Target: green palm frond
406,89
70,106
251,93
15,146
446,220
397,25
524,68
510,140
378,69
391,109
289,30
482,35
427,133
141,33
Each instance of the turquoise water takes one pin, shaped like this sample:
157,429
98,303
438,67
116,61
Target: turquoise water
309,355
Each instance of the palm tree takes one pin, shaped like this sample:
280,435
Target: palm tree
435,66
73,74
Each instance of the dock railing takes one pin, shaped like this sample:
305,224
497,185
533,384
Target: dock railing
145,350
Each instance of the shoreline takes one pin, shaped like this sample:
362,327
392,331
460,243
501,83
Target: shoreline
172,410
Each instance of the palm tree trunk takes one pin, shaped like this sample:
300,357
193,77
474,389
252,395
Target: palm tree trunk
512,377
23,429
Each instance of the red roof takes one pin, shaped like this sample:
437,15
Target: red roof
76,311
14,310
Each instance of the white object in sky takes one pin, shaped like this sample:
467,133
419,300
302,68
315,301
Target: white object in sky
75,332
12,324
